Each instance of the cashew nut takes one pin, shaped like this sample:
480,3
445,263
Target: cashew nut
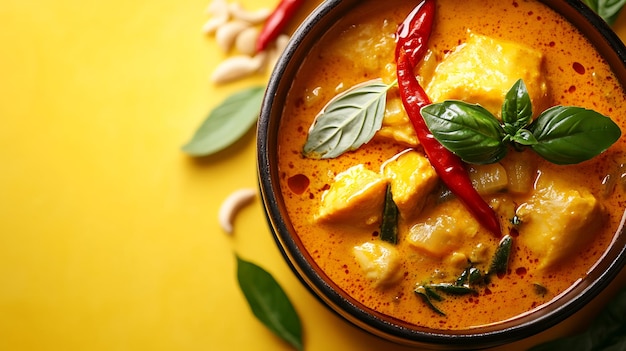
281,43
260,60
253,17
214,23
231,206
236,67
225,34
218,9
245,42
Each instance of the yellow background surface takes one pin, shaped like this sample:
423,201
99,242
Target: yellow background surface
109,238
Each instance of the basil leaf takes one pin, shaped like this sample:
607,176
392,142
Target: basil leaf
569,135
269,303
348,121
607,9
517,108
468,130
228,122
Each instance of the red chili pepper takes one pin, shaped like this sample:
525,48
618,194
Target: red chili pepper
448,166
277,20
413,33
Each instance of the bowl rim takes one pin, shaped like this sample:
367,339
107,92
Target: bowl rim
604,39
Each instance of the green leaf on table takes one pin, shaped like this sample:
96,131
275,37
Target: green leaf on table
569,135
227,122
607,9
468,130
350,120
269,302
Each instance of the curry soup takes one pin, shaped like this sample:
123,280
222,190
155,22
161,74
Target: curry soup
566,215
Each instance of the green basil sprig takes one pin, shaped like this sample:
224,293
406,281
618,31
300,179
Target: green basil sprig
607,9
269,302
227,122
350,120
561,134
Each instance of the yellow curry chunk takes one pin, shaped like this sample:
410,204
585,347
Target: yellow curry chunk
412,178
355,198
444,231
396,124
557,221
483,69
380,261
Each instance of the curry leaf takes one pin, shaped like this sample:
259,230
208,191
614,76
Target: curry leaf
517,108
500,260
389,225
468,130
269,302
228,122
428,295
607,9
569,135
348,121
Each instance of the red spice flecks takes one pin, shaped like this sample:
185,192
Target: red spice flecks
298,183
578,67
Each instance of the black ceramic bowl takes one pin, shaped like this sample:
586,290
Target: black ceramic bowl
606,42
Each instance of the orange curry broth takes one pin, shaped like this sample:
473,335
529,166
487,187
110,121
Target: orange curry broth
577,75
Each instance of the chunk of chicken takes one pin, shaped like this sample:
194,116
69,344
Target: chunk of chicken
444,231
356,198
396,124
483,70
380,262
412,178
557,221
